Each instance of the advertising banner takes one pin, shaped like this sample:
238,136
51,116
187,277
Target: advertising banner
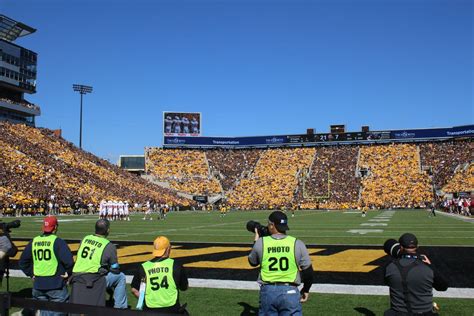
294,140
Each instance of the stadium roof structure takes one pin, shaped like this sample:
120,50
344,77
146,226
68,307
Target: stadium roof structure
10,29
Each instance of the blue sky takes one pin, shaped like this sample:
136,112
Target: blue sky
251,67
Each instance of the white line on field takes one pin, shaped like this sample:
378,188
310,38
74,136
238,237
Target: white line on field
317,288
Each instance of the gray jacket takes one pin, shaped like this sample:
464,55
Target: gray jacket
421,279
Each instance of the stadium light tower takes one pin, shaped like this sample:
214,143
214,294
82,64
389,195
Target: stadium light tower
82,90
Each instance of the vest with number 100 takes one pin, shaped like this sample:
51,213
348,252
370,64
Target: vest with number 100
279,260
89,254
45,262
161,289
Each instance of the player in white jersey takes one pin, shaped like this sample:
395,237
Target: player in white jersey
177,124
102,209
168,124
126,213
115,210
185,125
110,211
120,206
195,126
149,210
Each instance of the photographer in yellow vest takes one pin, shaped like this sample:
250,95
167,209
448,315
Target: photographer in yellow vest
97,269
160,280
48,260
284,264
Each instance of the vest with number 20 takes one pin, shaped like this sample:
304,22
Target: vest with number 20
161,289
278,260
45,262
90,254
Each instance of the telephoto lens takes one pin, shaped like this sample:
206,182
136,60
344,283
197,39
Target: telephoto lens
262,230
392,248
251,225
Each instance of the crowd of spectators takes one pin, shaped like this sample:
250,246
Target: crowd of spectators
185,170
176,163
35,165
394,177
22,103
462,180
40,172
197,186
444,157
274,180
231,165
332,179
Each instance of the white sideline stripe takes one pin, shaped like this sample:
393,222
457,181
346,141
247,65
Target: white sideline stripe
316,288
456,216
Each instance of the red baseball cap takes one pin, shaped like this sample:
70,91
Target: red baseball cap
49,224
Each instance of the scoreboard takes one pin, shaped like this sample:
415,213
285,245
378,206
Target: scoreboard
337,137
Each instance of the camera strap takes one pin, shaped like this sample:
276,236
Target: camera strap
404,273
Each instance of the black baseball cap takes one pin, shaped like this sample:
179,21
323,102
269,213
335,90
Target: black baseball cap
279,219
408,240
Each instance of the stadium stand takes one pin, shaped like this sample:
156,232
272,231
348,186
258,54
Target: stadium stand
394,177
185,170
462,181
442,158
200,186
232,165
176,163
22,103
274,180
332,181
35,164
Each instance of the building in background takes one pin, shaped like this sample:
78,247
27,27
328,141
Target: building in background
17,74
132,163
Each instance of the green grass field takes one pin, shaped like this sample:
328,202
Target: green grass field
313,227
216,302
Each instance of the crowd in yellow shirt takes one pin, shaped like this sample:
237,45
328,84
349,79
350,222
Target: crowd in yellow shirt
395,178
34,165
274,180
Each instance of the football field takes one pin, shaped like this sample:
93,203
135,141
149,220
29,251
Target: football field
313,227
345,248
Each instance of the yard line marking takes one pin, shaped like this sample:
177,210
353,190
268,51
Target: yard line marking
365,231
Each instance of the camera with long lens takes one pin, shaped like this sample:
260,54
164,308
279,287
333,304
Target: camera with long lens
262,230
7,247
6,227
392,248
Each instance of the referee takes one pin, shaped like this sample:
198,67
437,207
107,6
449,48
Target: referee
284,264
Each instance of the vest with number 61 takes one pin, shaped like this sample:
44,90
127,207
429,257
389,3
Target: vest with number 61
89,254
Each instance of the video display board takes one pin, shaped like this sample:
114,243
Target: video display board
181,124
